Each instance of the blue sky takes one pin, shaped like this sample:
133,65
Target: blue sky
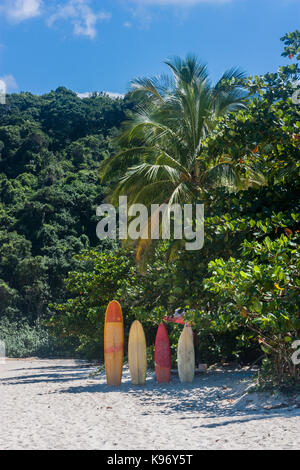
99,45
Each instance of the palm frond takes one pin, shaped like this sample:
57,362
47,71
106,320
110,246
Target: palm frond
159,87
187,70
184,193
122,160
223,174
255,176
229,94
235,75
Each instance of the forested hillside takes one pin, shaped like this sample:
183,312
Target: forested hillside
50,147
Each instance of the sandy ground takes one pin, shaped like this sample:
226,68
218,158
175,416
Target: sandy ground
55,404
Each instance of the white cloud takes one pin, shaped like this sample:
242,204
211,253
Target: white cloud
20,10
143,10
87,94
10,82
182,3
114,95
83,18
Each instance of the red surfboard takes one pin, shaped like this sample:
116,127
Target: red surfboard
162,355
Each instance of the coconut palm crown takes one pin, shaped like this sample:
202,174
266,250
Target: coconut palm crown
163,139
162,159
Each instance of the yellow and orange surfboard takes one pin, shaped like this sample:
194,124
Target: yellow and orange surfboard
113,343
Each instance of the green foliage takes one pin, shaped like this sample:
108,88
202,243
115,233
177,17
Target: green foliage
24,340
51,147
292,45
147,296
254,284
103,277
108,275
262,291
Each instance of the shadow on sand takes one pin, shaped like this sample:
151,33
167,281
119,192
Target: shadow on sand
210,395
55,373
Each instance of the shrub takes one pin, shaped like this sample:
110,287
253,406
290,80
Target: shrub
24,340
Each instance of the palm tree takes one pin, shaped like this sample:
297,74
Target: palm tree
163,160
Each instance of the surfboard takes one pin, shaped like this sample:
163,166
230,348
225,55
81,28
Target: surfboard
162,355
113,343
186,355
137,354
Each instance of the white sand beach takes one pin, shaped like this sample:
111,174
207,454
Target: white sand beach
55,404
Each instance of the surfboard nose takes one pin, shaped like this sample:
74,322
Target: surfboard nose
113,312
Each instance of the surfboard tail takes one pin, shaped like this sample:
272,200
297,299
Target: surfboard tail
163,374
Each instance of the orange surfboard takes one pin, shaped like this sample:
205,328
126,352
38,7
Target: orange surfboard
113,343
162,356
